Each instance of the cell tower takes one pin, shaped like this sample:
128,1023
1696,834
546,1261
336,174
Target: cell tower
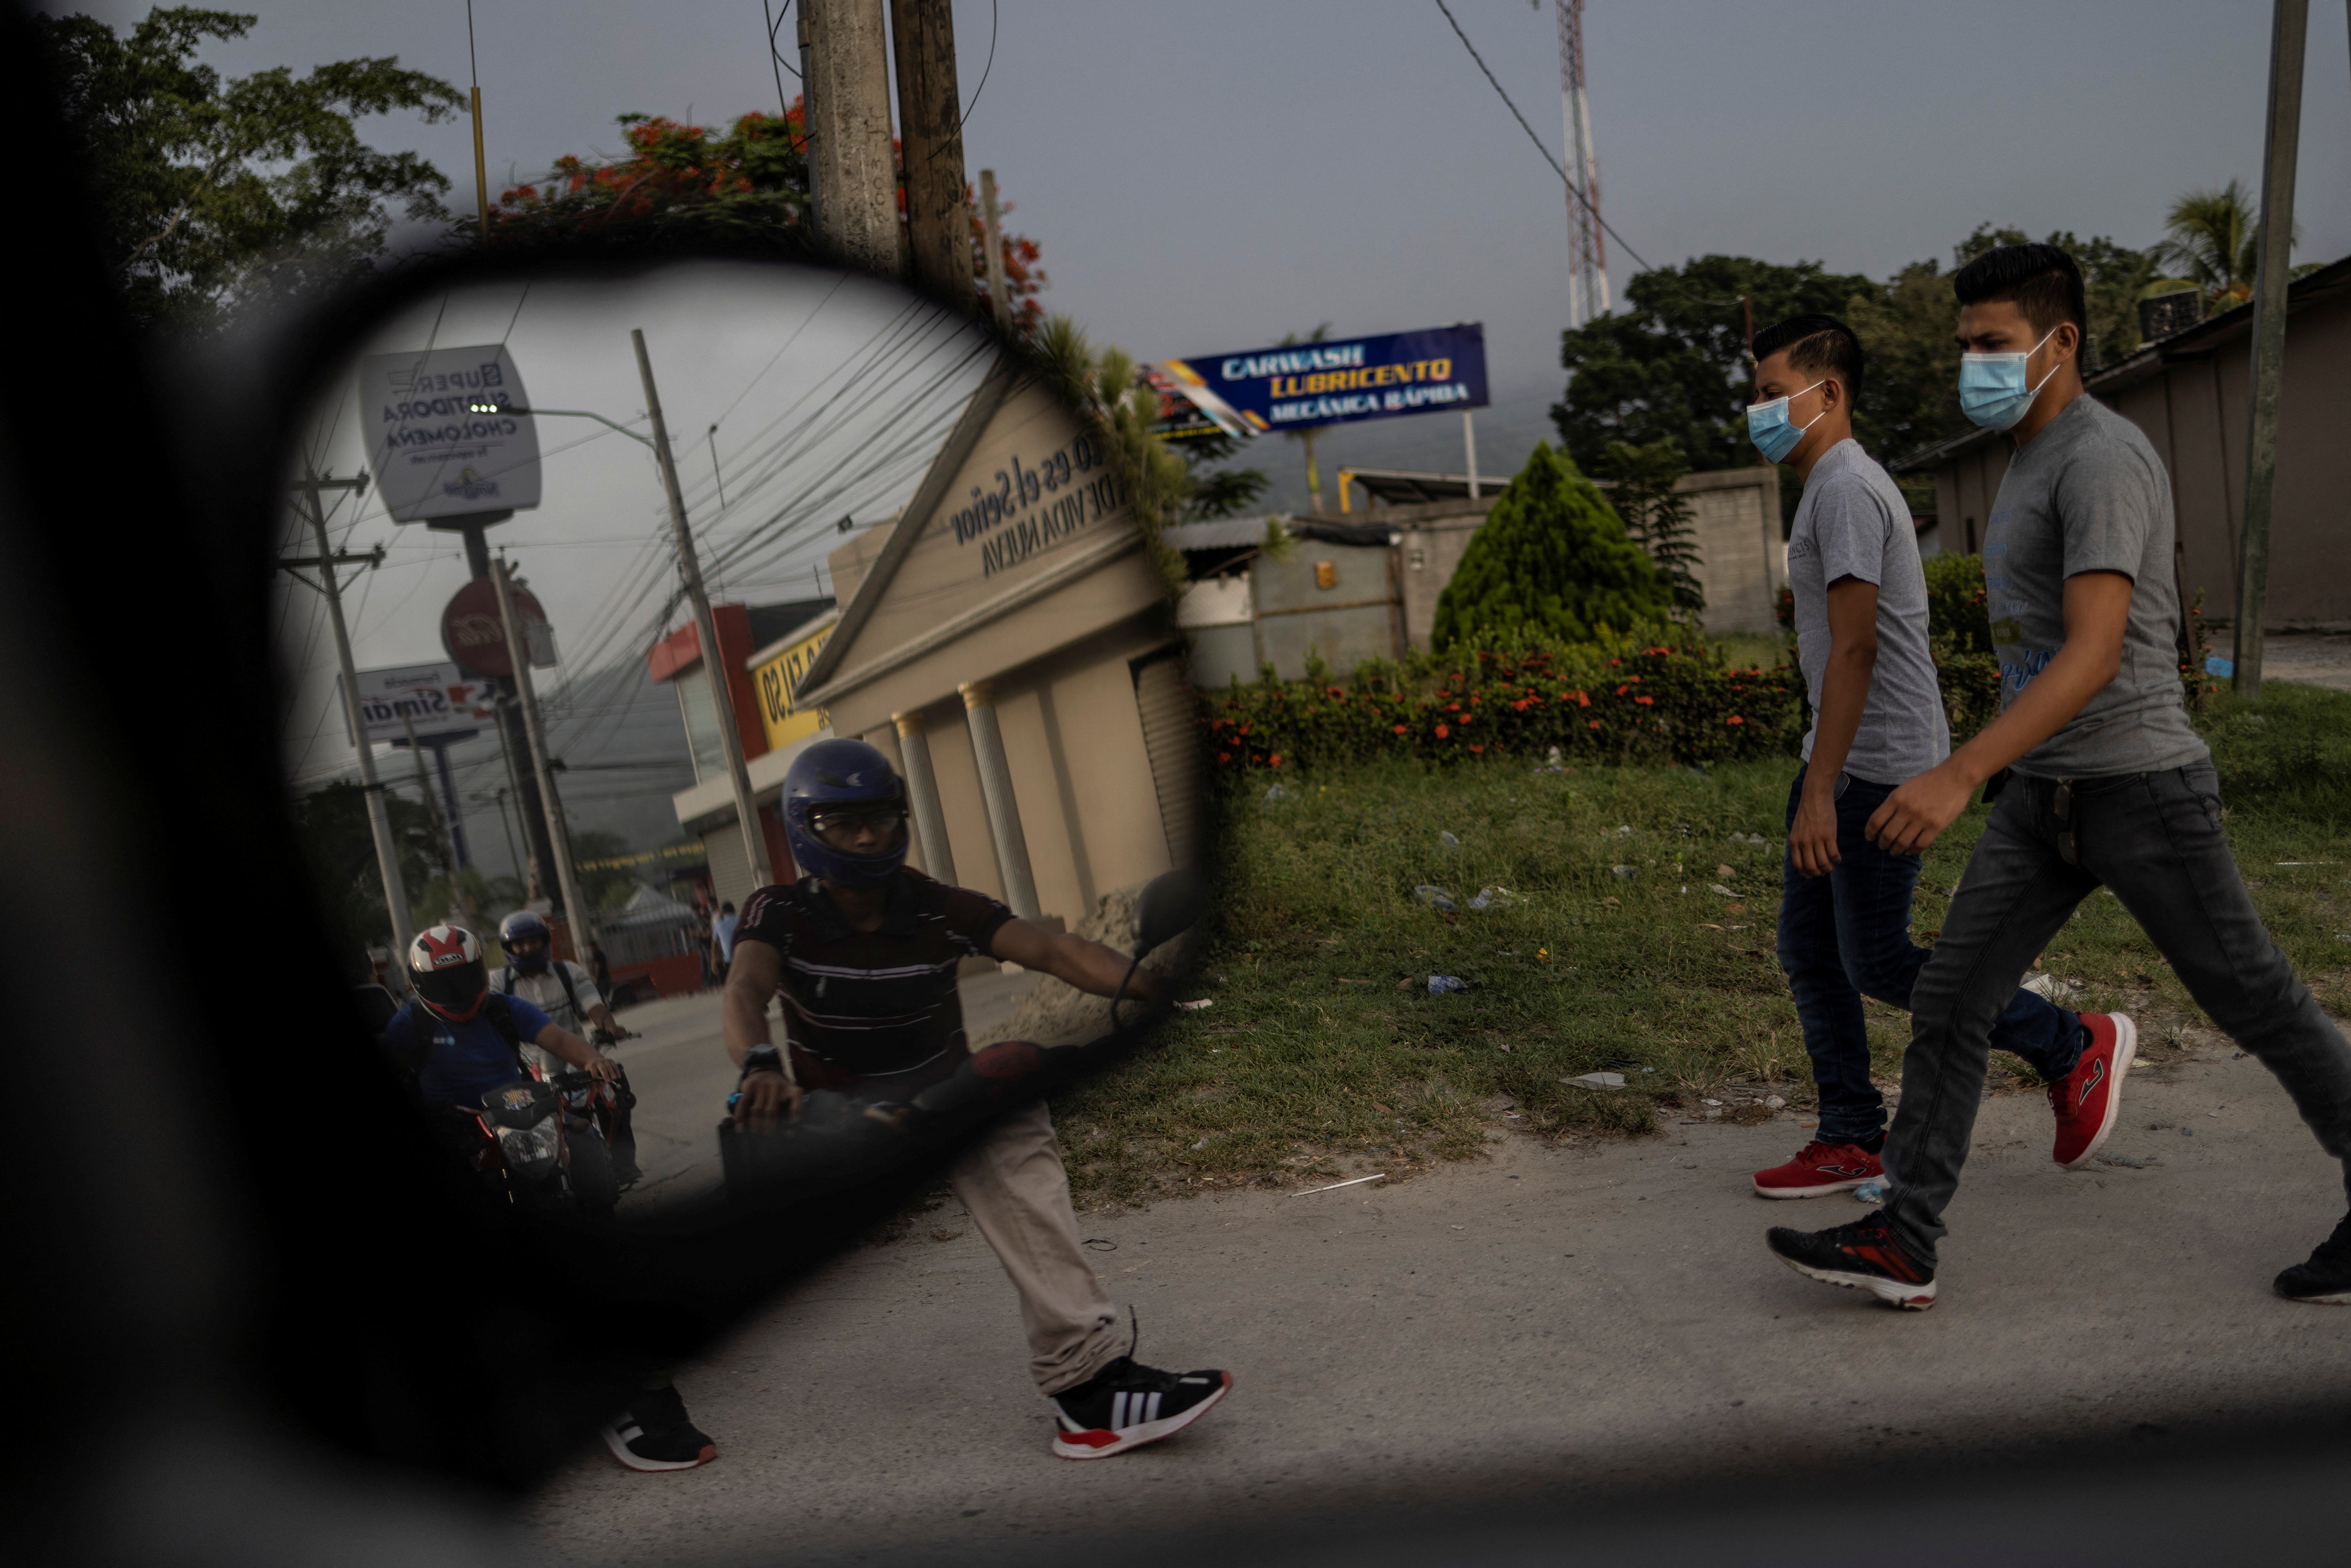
1587,293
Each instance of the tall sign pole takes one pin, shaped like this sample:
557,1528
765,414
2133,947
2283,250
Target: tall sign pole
2288,30
387,854
575,907
689,569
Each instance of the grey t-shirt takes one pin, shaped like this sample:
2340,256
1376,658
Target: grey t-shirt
1853,522
2088,493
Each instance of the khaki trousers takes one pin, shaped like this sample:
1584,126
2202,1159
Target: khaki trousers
1012,1183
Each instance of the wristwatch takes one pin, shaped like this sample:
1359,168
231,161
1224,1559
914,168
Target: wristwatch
761,1059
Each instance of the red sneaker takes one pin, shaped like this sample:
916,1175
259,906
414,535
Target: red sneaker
1820,1169
2088,1099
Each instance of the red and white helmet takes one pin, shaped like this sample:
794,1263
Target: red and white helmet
444,964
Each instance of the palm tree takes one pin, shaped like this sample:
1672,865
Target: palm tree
2212,239
1308,433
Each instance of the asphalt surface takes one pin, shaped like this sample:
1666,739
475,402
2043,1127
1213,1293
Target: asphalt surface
2311,658
1556,1323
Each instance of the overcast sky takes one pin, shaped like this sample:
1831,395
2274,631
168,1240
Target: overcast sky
1209,176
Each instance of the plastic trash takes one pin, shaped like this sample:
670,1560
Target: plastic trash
1440,984
1597,1080
1773,1101
2049,986
2219,667
1196,1004
1449,843
1497,898
1870,1192
1437,898
1720,890
1622,872
1623,831
1276,792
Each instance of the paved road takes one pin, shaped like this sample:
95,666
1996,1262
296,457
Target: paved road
2312,658
1577,1321
682,1077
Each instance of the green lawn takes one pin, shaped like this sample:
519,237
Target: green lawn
1324,1055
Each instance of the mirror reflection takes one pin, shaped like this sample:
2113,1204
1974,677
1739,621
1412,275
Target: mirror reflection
736,722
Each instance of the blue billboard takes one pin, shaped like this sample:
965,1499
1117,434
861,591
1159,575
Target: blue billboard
1298,386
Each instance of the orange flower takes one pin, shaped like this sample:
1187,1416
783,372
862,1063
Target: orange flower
1477,748
1646,702
1734,718
1596,724
1277,760
1400,729
1442,732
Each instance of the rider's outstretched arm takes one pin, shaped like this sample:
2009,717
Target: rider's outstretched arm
1065,955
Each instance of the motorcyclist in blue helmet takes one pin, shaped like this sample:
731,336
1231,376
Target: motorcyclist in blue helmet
864,951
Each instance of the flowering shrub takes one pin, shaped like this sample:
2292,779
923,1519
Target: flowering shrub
1595,703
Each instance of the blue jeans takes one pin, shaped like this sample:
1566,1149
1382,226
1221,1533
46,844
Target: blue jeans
1847,936
2156,841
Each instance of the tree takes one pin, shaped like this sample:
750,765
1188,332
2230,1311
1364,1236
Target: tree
747,184
1305,434
1552,562
1657,516
1672,366
331,824
1212,492
212,198
2212,240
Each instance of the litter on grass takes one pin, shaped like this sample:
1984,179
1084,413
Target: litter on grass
1437,898
1196,1004
1598,1080
1497,898
1377,1176
2049,986
1446,839
1276,792
1440,984
1620,873
1720,891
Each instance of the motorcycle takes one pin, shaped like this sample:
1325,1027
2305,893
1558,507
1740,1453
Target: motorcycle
544,1158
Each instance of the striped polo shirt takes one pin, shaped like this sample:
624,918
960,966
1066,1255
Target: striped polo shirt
875,1003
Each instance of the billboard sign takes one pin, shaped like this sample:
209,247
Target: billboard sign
473,634
440,700
433,455
1300,386
776,678
1188,411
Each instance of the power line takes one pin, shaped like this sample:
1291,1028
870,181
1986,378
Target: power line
1557,167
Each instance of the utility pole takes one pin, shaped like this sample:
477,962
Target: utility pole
1587,255
481,172
992,237
850,164
575,908
459,898
807,114
1468,448
930,138
689,569
387,854
2288,30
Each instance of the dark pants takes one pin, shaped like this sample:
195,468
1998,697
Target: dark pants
2155,839
1847,936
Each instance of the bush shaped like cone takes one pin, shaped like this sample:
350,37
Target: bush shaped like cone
1552,562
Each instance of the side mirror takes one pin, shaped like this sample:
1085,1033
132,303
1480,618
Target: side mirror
1169,905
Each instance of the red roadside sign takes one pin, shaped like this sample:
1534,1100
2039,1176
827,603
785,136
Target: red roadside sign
472,633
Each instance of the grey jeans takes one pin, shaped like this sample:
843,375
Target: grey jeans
2156,839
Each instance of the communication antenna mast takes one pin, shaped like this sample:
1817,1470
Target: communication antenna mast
1587,297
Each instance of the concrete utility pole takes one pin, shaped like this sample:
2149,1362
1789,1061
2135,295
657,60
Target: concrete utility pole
849,76
689,568
992,237
2288,30
459,899
575,907
930,141
387,854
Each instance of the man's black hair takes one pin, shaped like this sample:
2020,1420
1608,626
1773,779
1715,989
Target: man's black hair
728,907
2040,280
1814,343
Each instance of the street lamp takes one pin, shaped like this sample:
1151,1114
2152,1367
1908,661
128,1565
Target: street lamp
491,405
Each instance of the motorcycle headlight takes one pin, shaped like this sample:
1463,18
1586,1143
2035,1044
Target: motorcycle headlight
530,1151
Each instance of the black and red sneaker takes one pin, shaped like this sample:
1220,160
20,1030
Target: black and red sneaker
1862,1256
2088,1099
656,1436
1127,1404
1818,1170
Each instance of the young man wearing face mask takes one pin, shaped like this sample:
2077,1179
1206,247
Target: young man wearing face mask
864,951
1861,638
2107,785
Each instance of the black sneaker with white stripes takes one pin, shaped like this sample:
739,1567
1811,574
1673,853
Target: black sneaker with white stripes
1127,1404
656,1436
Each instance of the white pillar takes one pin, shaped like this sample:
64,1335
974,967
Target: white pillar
996,789
1469,447
923,797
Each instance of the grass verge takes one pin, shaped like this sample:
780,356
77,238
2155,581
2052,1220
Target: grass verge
1643,946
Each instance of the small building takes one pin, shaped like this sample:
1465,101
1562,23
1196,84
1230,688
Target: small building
2187,390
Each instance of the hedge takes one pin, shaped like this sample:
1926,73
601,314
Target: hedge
1634,704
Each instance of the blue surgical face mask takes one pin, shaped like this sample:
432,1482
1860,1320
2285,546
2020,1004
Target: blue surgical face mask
1768,427
1992,390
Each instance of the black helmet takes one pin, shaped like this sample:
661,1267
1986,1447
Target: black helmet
524,925
444,964
839,780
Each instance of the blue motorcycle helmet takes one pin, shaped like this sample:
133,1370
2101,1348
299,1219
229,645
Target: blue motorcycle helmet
528,942
845,813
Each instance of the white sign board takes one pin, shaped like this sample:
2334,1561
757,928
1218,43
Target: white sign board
435,454
437,699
